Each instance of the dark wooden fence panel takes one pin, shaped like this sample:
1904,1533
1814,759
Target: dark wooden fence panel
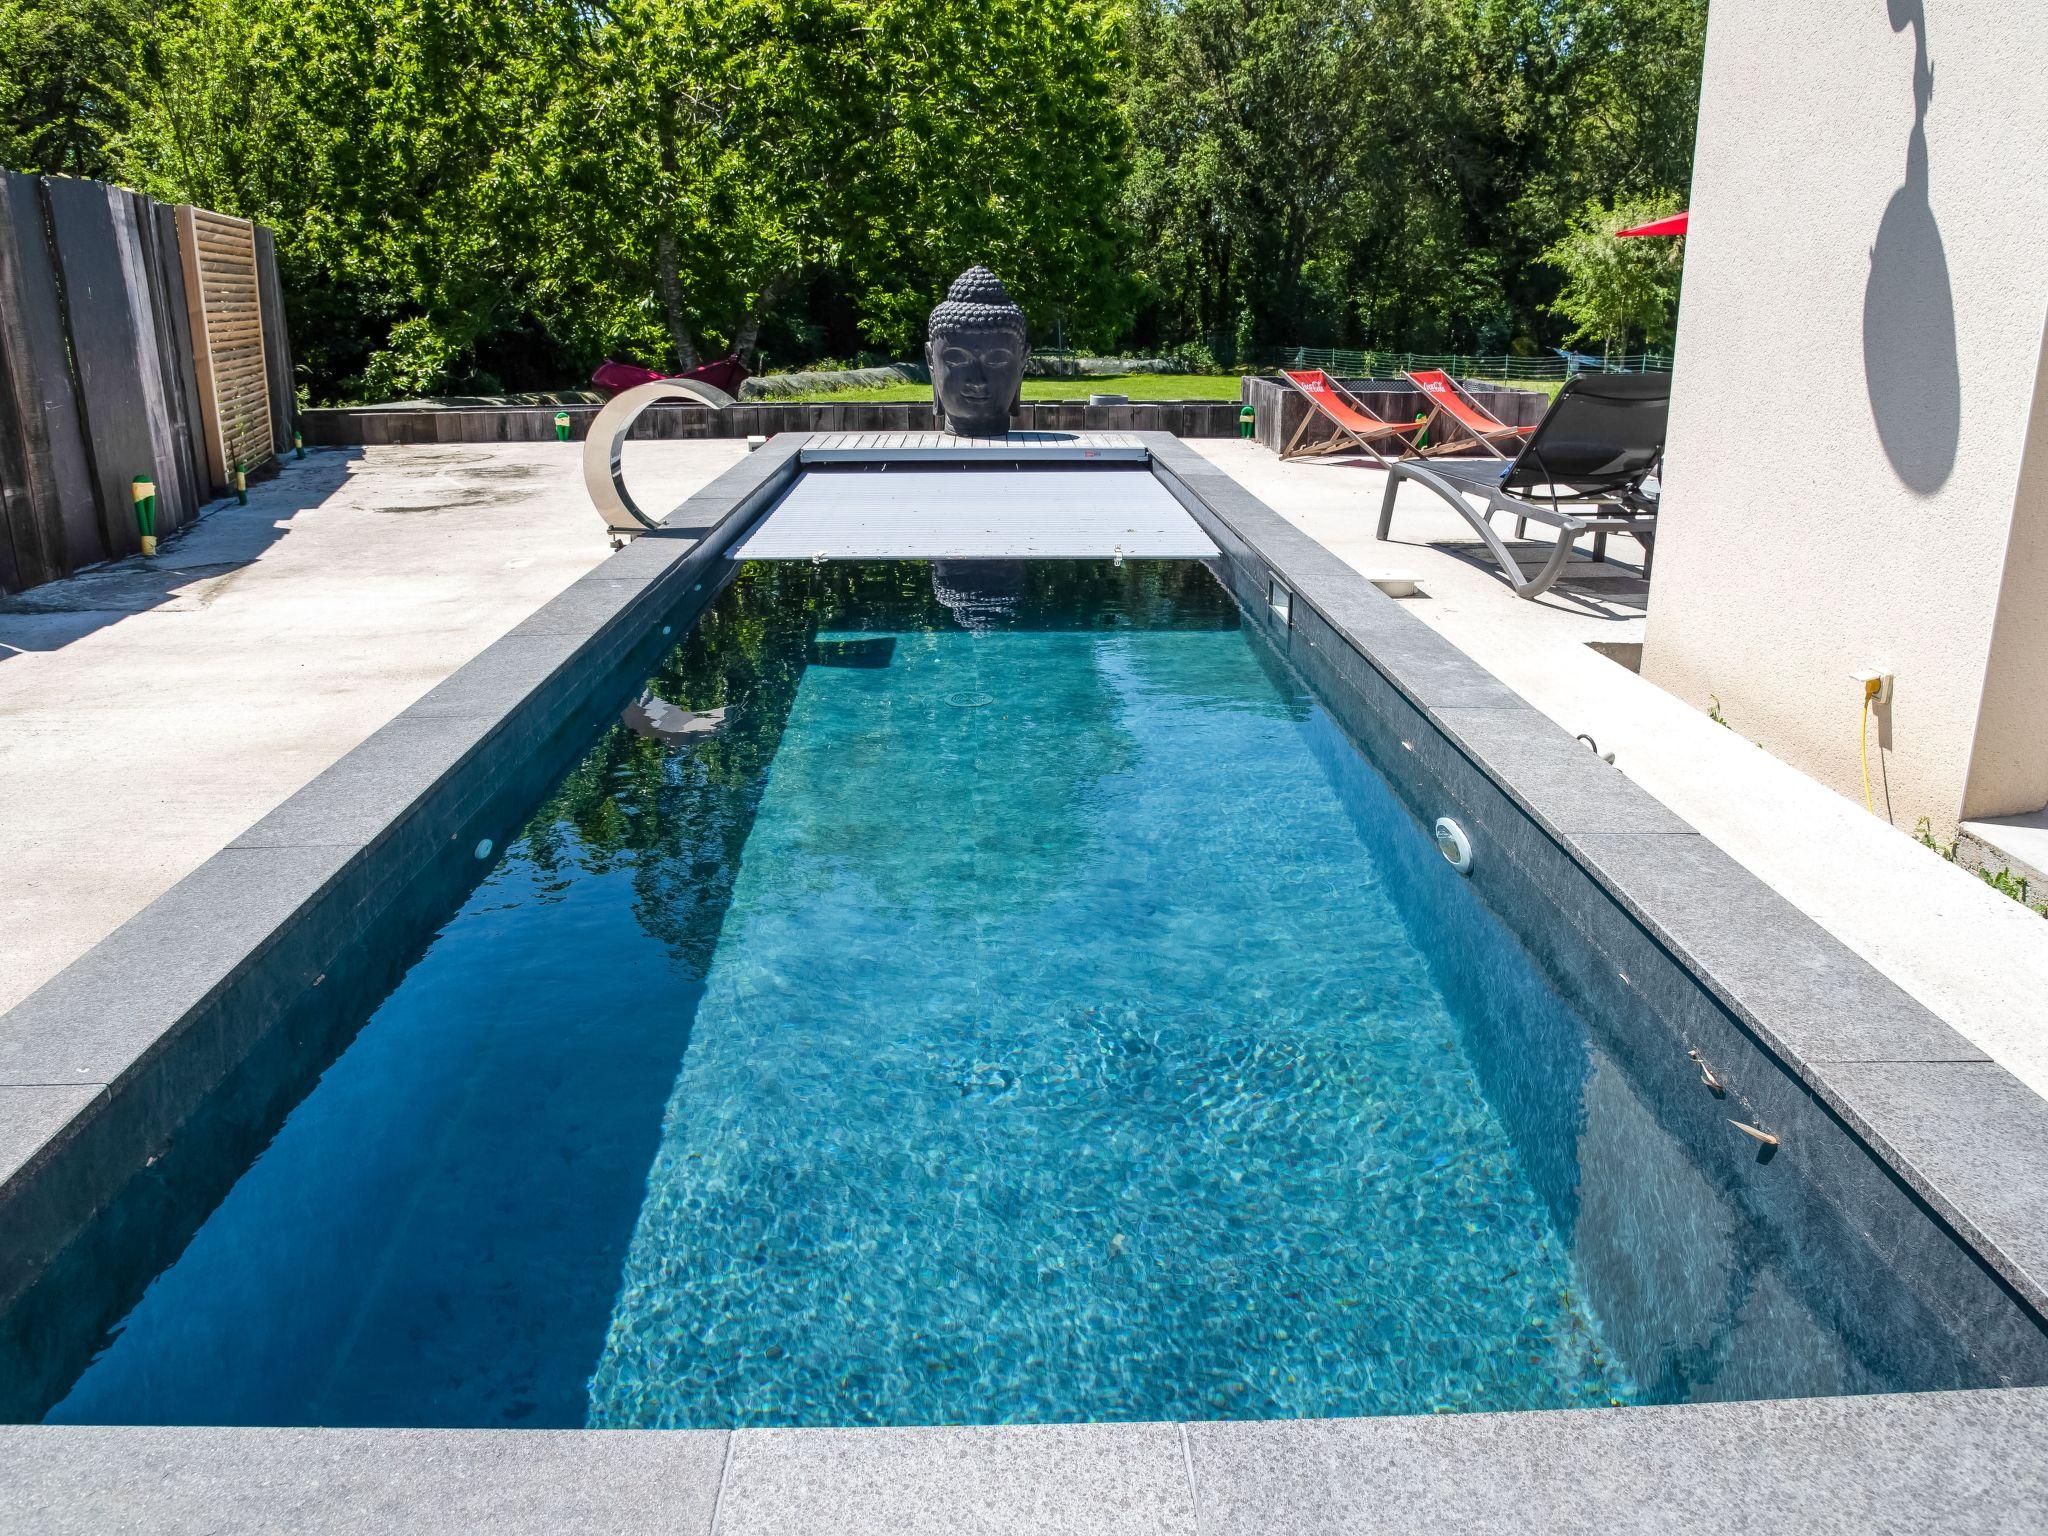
277,346
97,376
53,516
174,342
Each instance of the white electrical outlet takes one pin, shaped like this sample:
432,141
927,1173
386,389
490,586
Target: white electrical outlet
1883,679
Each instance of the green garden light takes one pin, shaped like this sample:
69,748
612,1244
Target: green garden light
298,445
561,426
143,489
241,485
1247,420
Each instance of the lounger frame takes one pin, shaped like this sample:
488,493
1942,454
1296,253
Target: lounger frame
1630,512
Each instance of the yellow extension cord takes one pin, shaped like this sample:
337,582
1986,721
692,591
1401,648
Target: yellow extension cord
1863,751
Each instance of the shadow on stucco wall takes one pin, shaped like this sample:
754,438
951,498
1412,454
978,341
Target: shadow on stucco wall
1909,324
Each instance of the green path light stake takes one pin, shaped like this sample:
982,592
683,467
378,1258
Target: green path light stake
298,446
241,485
561,426
1247,421
143,489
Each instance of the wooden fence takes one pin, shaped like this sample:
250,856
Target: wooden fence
123,355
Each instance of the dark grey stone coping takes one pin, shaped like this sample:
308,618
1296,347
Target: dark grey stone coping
100,1066
1960,1461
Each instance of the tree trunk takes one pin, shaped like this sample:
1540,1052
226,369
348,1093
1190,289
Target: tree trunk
666,273
672,299
748,332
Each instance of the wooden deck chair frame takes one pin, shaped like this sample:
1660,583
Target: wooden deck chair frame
1467,429
1343,435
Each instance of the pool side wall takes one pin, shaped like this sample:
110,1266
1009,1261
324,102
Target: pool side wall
100,1066
1555,826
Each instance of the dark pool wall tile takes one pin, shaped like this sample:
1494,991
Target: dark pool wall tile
1665,946
161,1012
1823,1194
1978,1136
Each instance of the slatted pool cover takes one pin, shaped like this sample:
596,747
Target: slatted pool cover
960,512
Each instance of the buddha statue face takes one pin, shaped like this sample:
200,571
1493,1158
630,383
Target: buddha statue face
976,352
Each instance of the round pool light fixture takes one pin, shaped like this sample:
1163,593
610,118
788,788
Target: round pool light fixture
483,848
1453,844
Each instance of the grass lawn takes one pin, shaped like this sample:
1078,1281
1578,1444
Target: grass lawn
1549,387
1139,386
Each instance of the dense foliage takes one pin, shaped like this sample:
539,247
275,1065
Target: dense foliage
499,193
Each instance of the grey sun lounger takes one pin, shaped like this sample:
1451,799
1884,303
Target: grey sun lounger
1587,468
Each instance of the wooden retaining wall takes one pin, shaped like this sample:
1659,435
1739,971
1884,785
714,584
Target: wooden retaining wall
536,423
99,377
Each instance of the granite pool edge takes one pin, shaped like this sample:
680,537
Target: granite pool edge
1969,1461
1848,1464
1960,1132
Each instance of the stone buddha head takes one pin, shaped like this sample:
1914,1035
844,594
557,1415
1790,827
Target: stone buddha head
976,347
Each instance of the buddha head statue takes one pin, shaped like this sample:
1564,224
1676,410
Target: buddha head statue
976,347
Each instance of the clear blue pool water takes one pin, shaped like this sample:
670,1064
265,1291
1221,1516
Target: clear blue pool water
1020,1004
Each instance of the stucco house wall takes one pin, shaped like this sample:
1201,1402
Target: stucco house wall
1868,274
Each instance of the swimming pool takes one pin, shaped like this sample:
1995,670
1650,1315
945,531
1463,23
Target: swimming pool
990,992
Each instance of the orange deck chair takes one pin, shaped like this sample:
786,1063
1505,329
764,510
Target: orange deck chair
1466,420
1353,426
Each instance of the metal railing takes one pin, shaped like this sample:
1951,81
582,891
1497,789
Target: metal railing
1379,365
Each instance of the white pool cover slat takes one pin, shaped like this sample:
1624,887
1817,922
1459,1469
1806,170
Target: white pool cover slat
927,514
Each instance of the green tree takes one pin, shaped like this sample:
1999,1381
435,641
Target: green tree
1391,171
997,138
1618,289
699,150
388,144
62,64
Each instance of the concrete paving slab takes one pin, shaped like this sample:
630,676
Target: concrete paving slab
1958,1461
340,1482
348,804
2016,843
151,712
1016,1480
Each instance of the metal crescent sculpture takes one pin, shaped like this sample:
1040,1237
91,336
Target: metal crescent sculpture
607,440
